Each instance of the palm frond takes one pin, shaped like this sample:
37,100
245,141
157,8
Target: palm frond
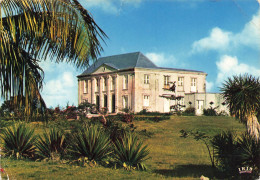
32,30
242,94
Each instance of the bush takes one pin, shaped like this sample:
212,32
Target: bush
130,153
116,131
225,150
249,152
52,145
18,141
154,113
92,143
189,112
233,153
128,117
210,112
152,118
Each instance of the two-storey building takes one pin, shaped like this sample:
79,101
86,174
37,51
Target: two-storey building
135,82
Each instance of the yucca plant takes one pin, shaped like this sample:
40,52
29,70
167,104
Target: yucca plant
242,94
52,145
91,142
18,141
130,152
249,152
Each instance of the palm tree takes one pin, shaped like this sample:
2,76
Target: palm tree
31,31
242,94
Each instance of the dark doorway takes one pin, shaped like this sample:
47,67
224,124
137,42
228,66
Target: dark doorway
105,101
97,102
113,103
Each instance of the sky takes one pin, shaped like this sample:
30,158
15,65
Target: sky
219,37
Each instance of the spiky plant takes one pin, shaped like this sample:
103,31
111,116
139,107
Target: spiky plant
18,141
249,151
91,142
242,94
130,152
52,145
225,151
32,30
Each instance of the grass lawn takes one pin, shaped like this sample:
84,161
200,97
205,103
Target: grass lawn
171,157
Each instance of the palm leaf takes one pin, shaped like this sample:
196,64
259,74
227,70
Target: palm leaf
32,30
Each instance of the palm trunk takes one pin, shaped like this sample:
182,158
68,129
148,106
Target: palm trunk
253,126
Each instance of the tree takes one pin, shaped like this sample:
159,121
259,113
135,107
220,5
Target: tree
242,94
31,31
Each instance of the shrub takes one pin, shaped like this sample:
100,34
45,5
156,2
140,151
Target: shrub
128,117
116,131
233,153
152,118
18,141
91,142
153,113
190,111
210,112
249,152
225,150
52,145
130,153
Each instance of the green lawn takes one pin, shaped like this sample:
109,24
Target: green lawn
171,157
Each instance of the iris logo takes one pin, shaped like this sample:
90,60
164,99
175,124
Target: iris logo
244,170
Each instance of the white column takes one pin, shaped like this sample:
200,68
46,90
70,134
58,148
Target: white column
79,92
93,83
101,98
109,78
116,93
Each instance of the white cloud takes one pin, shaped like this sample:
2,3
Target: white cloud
60,90
110,6
217,40
229,66
60,83
221,40
250,35
162,60
209,86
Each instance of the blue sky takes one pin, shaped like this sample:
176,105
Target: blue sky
219,37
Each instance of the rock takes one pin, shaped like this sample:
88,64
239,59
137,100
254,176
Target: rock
203,178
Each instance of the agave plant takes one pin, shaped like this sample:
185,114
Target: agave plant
18,141
52,145
130,152
91,142
242,94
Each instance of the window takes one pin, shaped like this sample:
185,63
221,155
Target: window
146,79
193,85
125,82
85,86
97,85
193,81
113,82
146,100
166,82
125,101
180,81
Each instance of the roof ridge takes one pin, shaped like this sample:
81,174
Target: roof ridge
138,58
118,55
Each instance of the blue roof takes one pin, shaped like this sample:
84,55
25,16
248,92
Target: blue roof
126,61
